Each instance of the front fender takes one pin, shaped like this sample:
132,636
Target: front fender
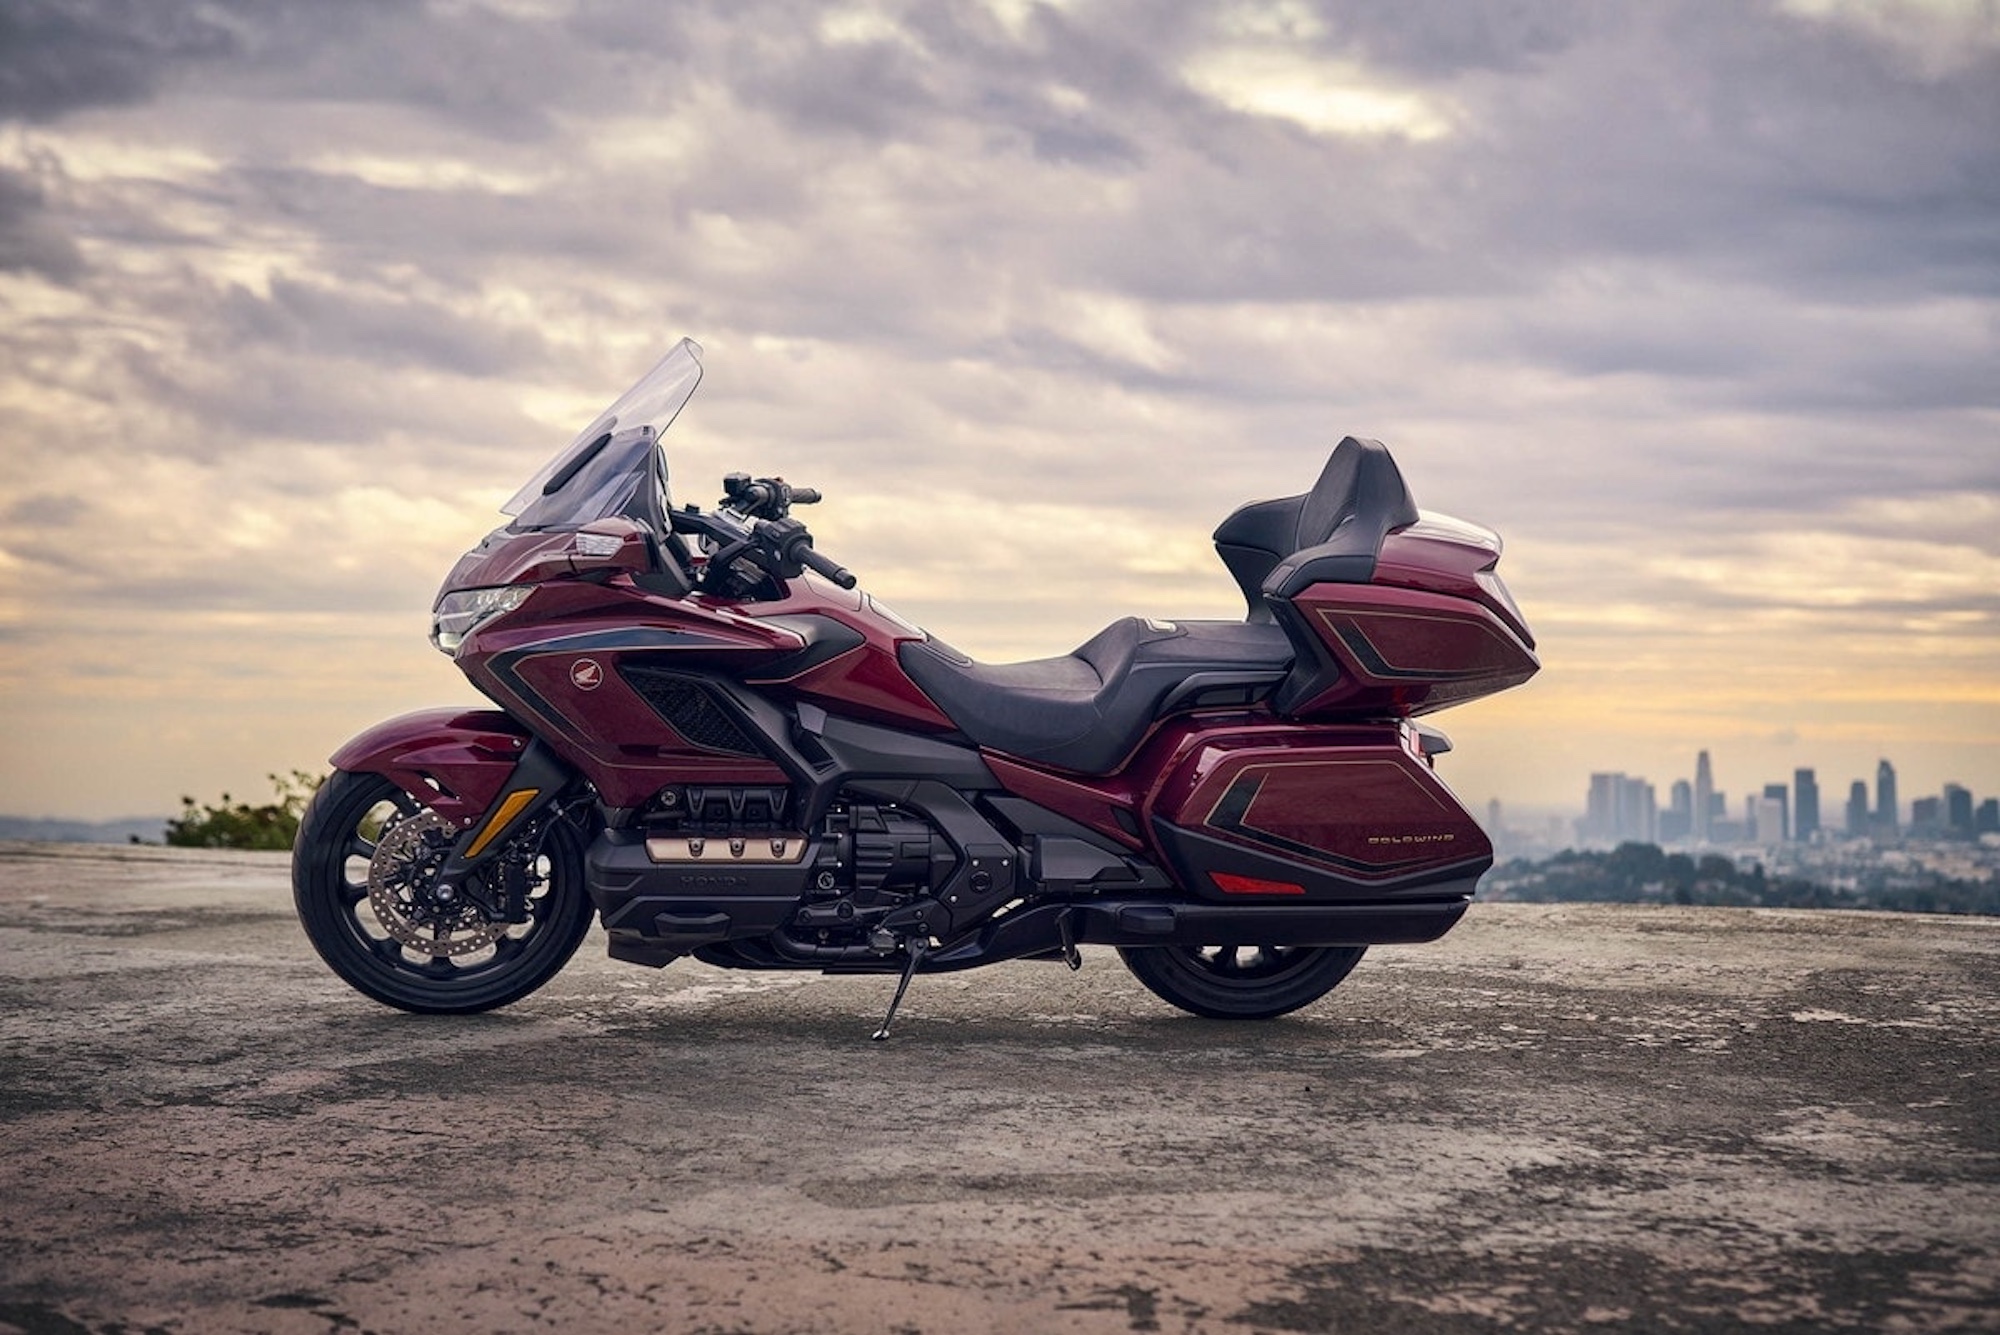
456,761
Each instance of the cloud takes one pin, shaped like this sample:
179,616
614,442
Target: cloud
1930,38
352,322
1324,99
59,56
1699,307
29,238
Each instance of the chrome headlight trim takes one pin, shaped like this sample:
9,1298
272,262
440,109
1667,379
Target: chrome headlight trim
460,613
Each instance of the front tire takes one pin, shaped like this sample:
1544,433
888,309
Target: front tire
359,879
1241,982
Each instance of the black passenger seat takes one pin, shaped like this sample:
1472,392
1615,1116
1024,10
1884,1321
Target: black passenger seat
1331,534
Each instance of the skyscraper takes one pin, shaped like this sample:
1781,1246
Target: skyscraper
1639,809
1677,821
1600,811
1857,809
1805,804
1958,810
1763,819
1886,817
1620,809
1779,821
1704,798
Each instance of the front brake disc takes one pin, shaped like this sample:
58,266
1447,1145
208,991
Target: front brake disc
402,889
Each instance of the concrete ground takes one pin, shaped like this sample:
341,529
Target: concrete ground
1556,1119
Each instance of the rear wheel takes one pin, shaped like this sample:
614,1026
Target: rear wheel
364,877
1241,982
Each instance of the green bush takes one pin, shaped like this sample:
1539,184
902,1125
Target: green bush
233,824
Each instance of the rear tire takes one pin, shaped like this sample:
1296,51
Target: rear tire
1241,982
397,945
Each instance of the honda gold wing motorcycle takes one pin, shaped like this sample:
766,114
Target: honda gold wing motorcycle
705,736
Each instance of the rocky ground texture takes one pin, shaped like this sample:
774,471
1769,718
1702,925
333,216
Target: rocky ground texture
1558,1118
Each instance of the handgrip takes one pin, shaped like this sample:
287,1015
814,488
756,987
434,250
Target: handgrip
805,496
827,566
787,540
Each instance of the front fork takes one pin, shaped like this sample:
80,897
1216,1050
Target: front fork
537,780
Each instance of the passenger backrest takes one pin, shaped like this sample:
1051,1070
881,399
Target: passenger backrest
1331,533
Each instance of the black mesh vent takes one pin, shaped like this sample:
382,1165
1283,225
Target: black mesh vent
689,710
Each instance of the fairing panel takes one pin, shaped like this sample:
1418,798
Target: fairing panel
454,760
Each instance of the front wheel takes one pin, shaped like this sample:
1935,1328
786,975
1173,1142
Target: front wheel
1240,982
364,877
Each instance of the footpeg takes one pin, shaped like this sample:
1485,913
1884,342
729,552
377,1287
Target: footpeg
918,948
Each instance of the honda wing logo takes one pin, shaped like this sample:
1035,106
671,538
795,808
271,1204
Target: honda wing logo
585,674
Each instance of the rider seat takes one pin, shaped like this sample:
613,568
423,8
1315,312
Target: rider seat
1086,710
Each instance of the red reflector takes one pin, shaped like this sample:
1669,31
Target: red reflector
1250,885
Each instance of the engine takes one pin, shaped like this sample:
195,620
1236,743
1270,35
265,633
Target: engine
719,811
864,860
872,858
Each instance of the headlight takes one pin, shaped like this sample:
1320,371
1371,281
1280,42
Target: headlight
459,614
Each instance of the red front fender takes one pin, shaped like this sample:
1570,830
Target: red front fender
454,760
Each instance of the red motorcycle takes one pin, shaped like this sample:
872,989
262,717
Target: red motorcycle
705,736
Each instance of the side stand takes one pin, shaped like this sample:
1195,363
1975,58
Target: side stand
918,948
1068,934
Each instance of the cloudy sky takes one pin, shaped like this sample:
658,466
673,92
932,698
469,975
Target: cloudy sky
1697,303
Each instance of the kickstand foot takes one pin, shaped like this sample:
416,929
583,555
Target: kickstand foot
918,948
1068,934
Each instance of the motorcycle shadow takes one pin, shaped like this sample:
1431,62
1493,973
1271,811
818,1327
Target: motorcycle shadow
781,1034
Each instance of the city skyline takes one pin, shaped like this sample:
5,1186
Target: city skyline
1619,806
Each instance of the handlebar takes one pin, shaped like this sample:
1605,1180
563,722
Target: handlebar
751,529
829,567
765,497
789,541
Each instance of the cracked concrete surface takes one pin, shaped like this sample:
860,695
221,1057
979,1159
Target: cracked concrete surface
1556,1119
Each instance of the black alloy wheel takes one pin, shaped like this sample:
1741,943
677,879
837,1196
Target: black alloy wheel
364,880
1241,982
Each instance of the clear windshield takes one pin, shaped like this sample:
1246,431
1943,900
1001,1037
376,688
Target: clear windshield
608,463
